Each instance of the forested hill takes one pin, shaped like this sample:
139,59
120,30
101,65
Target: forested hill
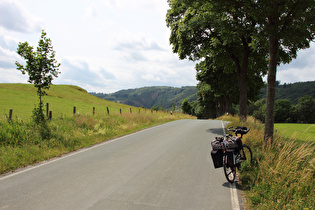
152,96
167,96
293,91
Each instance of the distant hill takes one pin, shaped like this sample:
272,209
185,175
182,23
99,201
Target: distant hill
152,96
167,96
293,91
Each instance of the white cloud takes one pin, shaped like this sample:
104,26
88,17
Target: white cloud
79,72
11,75
13,16
108,45
92,11
120,5
8,56
140,44
293,75
299,70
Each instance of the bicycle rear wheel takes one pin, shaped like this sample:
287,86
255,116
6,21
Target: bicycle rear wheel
229,171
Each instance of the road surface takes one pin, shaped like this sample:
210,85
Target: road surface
164,167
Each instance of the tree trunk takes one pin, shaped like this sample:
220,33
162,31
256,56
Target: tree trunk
222,105
228,104
271,88
242,83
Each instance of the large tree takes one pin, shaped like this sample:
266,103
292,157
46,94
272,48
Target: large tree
41,67
288,25
222,83
206,106
220,76
186,107
204,28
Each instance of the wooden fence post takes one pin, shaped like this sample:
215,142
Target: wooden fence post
107,110
93,110
74,110
120,111
130,110
47,110
50,115
10,115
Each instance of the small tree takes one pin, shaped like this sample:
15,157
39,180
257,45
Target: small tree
306,109
283,108
260,112
41,67
186,107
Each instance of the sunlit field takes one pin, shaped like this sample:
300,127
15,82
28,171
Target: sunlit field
302,132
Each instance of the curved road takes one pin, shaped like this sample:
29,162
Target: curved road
164,167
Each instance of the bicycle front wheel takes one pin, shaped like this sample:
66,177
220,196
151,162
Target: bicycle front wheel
229,171
246,155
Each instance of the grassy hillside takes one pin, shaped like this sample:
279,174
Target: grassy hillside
152,96
167,96
294,91
22,99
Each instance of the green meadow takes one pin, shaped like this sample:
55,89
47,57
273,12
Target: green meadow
302,132
22,99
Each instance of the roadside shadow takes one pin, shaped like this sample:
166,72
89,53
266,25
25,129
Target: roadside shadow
228,185
217,131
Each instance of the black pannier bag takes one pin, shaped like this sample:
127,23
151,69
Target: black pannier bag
217,153
217,158
217,143
233,143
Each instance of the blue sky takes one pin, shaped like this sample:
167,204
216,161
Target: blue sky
108,45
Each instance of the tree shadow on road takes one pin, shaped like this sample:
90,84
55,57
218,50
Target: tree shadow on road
217,131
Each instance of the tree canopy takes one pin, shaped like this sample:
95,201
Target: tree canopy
213,29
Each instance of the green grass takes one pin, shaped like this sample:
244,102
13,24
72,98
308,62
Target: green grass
22,99
302,132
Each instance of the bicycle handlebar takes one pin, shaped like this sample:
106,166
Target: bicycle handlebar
239,130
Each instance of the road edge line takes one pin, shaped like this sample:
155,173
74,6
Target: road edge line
233,190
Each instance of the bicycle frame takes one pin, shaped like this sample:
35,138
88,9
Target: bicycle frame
232,157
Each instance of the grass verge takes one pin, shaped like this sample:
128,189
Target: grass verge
282,175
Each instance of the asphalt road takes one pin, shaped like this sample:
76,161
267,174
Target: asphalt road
164,167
